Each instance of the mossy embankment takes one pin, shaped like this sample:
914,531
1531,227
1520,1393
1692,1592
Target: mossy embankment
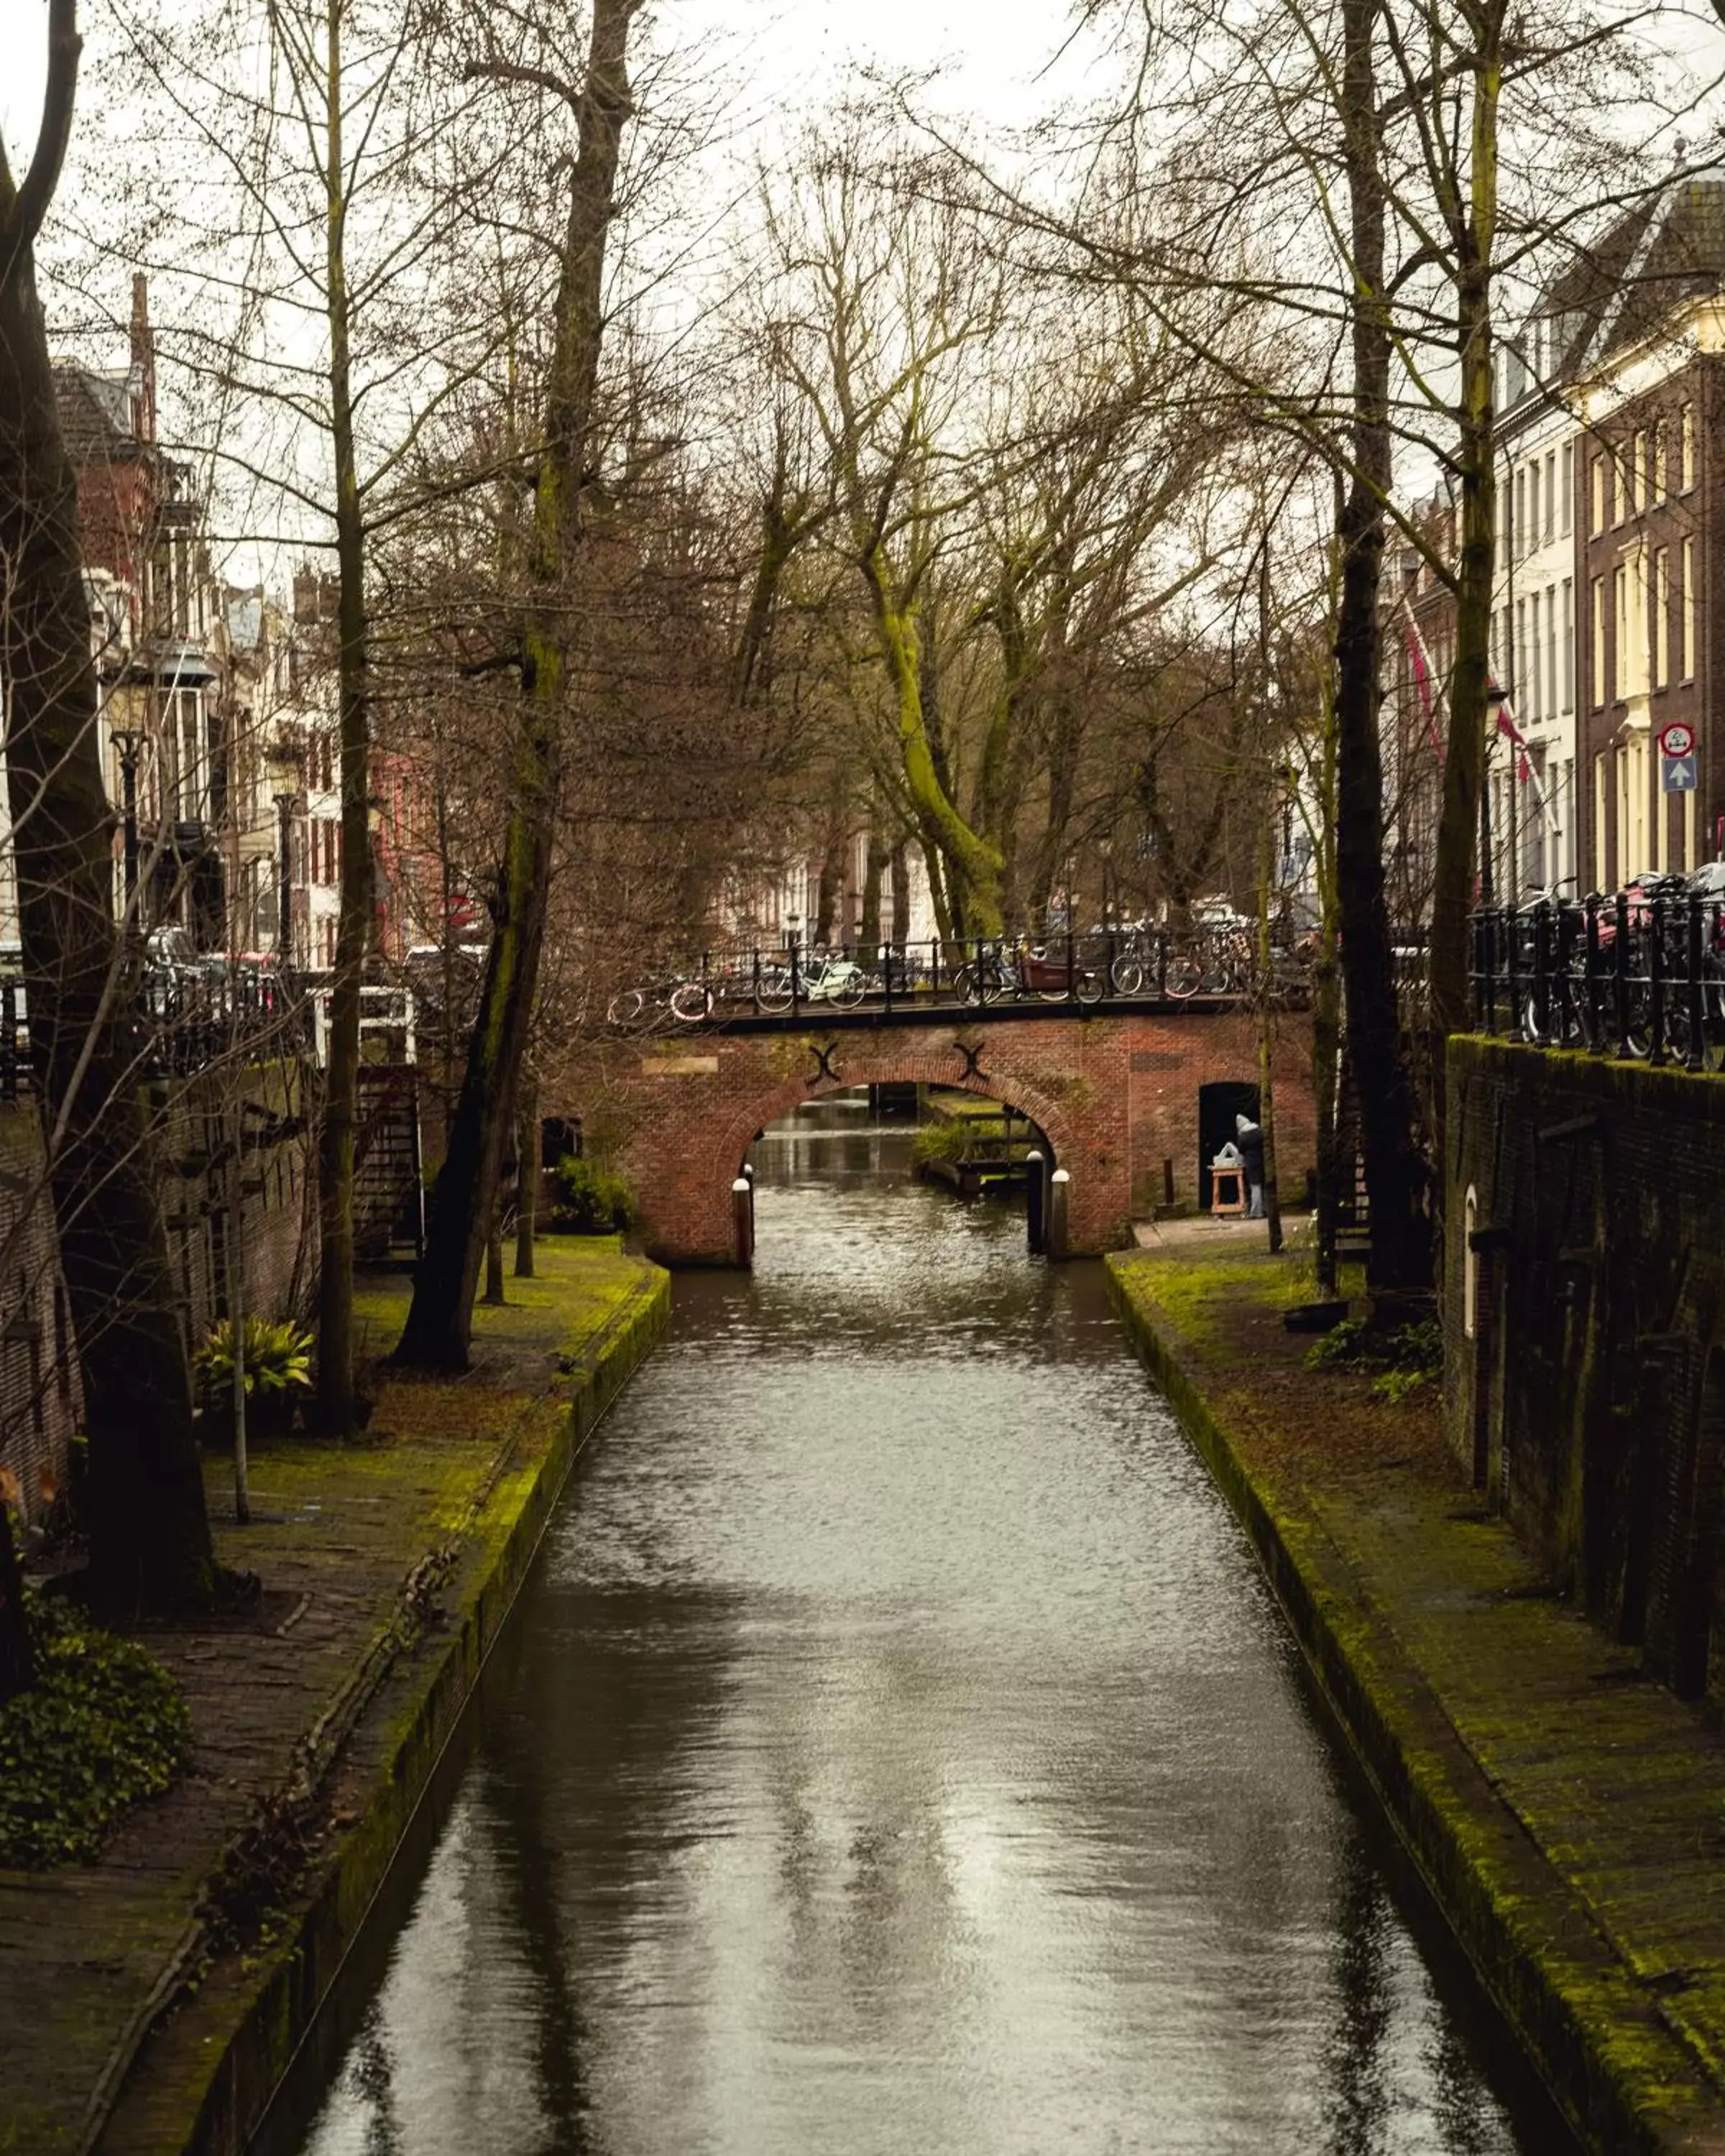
1569,1818
165,1991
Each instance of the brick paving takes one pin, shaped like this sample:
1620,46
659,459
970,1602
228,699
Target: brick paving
86,1953
1587,1804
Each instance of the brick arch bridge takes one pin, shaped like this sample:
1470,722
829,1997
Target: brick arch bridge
1115,1094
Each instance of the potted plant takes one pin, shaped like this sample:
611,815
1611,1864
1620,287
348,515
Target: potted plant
278,1370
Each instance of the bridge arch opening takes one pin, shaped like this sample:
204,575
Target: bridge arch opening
971,1140
685,1114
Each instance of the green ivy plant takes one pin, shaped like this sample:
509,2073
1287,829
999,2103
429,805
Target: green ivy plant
596,1200
277,1356
1406,1359
102,1728
1346,1342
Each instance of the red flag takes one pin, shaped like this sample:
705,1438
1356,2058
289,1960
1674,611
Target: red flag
1511,732
1416,653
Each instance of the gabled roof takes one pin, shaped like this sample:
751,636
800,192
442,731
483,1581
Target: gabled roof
1680,257
1643,269
96,411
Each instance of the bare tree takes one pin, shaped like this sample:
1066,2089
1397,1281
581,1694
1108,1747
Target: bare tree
150,1543
439,1320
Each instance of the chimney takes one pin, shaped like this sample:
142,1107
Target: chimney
143,362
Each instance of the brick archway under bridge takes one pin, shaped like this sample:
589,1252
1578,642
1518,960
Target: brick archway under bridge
1115,1094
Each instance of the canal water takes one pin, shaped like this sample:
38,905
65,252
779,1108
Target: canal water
900,1753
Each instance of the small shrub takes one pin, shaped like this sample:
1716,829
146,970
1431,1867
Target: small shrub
1348,1342
1395,1385
278,1357
1417,1347
596,1200
103,1726
942,1141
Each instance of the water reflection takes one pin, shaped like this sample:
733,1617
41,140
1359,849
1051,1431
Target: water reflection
902,1755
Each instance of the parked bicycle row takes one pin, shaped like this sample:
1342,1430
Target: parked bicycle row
1638,973
1084,969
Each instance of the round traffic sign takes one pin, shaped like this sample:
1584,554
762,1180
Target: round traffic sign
1678,739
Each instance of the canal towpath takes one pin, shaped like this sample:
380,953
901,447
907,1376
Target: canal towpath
152,2000
1568,1817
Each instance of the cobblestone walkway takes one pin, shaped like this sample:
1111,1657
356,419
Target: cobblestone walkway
89,1956
1583,1808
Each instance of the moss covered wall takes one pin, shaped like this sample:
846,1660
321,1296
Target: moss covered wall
191,1121
1586,1376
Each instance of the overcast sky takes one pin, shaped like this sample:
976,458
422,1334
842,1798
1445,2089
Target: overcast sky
792,51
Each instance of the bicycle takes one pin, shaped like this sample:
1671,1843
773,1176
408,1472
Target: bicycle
633,1009
823,977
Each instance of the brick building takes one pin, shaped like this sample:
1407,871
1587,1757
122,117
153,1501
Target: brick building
1647,516
155,620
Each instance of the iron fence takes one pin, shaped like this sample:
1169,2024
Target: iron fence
184,1020
1636,975
1104,966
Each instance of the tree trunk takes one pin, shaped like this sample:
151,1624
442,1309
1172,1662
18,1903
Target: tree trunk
1061,772
1464,762
1266,1041
336,1406
874,870
234,1233
944,926
972,864
751,664
830,890
440,1318
1395,1175
1325,1067
149,1537
527,1179
901,878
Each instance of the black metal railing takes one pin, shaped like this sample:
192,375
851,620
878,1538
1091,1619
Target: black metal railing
1116,965
1639,974
185,1020
191,1018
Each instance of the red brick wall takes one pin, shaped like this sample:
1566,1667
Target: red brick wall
1114,1096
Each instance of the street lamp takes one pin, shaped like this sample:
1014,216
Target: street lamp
282,760
129,741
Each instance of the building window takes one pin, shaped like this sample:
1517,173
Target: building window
1598,505
1566,501
1520,655
1619,626
1596,596
1631,476
1686,660
1550,525
1686,421
1662,618
1660,487
1520,547
1566,646
1534,707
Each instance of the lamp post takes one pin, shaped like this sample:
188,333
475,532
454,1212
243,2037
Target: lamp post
129,741
282,763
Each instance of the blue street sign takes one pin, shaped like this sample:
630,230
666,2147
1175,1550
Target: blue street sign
1677,774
